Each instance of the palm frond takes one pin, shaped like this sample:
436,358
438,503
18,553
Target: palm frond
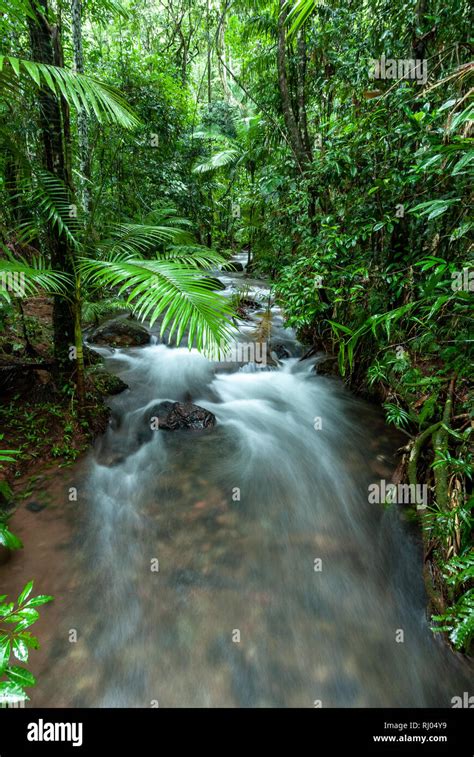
212,133
167,216
20,278
300,12
52,203
195,255
92,312
81,91
218,160
136,239
169,289
116,8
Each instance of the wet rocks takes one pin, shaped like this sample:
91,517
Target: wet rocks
247,304
279,349
120,332
327,367
108,384
179,416
113,449
90,357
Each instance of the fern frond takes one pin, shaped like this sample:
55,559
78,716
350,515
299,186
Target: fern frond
458,621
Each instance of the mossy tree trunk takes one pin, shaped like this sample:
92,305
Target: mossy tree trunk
45,40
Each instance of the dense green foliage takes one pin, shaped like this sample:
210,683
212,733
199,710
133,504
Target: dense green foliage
16,642
153,139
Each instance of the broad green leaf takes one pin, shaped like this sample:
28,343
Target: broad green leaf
11,692
15,64
20,676
25,593
20,649
5,648
41,599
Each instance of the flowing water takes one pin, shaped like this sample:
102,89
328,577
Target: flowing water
244,566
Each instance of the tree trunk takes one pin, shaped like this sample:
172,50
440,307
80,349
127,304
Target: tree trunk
55,133
84,158
295,117
295,137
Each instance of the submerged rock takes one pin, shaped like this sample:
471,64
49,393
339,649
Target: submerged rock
120,332
174,416
164,416
35,507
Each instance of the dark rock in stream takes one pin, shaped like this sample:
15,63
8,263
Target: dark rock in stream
328,366
166,416
90,356
120,332
174,416
247,304
280,350
107,383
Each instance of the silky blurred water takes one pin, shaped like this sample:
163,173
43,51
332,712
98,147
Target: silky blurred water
245,567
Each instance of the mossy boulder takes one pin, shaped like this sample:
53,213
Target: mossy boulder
120,332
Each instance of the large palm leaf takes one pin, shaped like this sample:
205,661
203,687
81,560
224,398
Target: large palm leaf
81,91
172,286
167,288
133,238
233,151
299,12
194,255
220,159
19,277
52,204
